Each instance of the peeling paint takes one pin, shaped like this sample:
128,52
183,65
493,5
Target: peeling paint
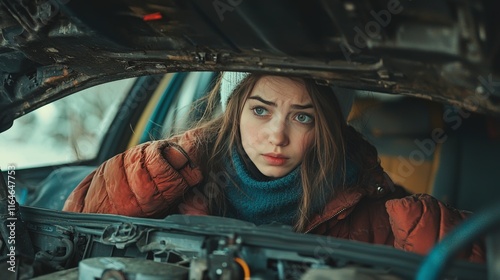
55,79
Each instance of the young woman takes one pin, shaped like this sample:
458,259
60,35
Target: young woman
281,152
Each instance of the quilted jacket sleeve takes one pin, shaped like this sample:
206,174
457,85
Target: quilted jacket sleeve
420,221
144,181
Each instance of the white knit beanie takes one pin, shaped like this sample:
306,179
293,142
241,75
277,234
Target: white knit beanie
230,80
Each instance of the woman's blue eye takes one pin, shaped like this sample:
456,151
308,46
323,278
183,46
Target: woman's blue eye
304,118
259,111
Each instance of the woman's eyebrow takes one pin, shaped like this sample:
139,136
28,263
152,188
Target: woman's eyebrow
256,97
302,107
270,103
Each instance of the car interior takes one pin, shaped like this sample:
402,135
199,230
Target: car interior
408,149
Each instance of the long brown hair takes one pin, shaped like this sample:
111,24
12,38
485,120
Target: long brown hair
323,170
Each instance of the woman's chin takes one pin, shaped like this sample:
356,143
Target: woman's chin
275,171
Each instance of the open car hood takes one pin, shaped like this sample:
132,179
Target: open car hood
447,51
207,242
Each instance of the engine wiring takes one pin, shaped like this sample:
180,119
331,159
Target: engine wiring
245,267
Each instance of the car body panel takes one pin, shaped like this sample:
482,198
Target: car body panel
446,51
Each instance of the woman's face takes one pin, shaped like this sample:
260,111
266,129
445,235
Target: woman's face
277,125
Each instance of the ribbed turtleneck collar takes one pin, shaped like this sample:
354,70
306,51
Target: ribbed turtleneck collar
261,202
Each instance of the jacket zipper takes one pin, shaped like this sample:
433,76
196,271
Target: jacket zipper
331,217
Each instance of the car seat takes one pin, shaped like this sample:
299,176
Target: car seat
401,128
468,176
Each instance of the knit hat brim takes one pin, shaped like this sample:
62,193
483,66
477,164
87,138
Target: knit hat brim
230,80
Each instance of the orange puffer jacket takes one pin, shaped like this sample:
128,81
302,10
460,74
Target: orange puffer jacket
162,177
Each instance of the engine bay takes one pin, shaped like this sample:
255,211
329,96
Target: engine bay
97,246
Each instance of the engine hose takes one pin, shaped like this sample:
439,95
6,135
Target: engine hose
68,253
439,257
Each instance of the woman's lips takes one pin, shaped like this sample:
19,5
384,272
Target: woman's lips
275,159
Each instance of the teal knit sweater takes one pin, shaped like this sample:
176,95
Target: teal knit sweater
253,197
261,202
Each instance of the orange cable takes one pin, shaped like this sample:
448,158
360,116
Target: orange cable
244,265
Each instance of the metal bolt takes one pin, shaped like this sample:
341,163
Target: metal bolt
380,189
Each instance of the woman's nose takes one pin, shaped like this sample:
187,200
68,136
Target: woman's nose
278,135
